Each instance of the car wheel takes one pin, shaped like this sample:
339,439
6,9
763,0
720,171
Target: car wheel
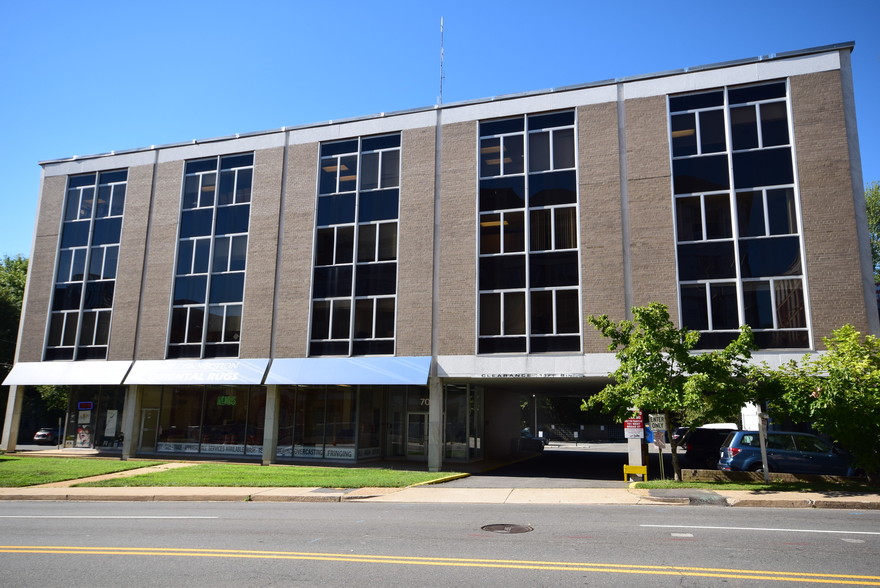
758,468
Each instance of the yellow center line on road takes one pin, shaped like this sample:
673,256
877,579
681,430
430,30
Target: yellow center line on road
781,576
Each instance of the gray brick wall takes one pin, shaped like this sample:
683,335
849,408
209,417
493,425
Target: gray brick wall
259,291
458,246
652,244
602,269
416,243
41,269
827,204
129,273
294,295
159,271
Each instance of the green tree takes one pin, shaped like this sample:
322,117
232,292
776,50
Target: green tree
13,273
659,372
872,204
838,392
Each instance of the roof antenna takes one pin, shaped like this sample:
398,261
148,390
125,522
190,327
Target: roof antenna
440,98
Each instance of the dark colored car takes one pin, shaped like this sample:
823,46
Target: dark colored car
528,442
46,436
789,452
702,445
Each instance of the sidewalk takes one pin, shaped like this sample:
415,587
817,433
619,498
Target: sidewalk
437,493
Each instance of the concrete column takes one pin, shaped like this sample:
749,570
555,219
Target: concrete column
131,424
270,425
12,419
435,424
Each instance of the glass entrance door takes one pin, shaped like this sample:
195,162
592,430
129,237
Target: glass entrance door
149,429
417,435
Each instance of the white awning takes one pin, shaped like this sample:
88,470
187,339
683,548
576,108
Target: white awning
198,371
351,371
67,373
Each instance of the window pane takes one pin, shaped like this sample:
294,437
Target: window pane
221,254
758,306
104,196
755,93
750,214
107,231
567,311
215,324
502,193
243,185
695,101
363,318
390,169
723,301
384,317
502,272
375,279
548,189
541,230
694,313
684,134
542,312
238,255
718,221
764,167
514,313
549,270
499,127
514,232
65,256
184,257
75,234
563,148
202,254
96,264
102,329
111,255
69,337
233,323
490,314
712,136
225,193
513,155
774,124
700,174
233,219
378,205
790,310
780,209
369,171
539,151
196,223
195,323
341,316
227,287
777,256
565,228
321,319
335,210
552,119
689,218
332,282
206,192
325,240
67,297
344,244
327,180
178,325
118,200
706,261
87,330
367,243
387,241
744,127
490,157
490,233
348,173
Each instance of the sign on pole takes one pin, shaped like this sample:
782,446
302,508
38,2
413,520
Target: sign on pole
657,421
633,429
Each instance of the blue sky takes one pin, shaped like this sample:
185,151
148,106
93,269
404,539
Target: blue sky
89,77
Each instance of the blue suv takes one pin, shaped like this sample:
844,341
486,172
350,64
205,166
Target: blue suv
793,453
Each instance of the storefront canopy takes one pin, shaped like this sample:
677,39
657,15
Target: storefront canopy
72,373
197,371
351,371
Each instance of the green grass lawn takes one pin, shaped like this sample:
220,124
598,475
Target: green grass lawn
16,472
224,474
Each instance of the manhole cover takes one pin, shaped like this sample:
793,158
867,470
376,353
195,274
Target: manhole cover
507,528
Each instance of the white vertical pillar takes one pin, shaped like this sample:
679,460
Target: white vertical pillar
131,424
270,425
12,419
435,424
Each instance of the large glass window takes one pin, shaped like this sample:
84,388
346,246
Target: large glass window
211,252
739,245
528,235
355,265
85,278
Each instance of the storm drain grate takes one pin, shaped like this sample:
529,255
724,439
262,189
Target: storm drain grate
507,529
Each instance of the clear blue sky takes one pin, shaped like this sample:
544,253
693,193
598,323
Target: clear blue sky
84,77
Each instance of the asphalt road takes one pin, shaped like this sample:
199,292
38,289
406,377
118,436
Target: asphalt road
362,544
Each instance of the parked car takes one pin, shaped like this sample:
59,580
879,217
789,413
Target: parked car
46,436
789,452
702,445
678,435
528,442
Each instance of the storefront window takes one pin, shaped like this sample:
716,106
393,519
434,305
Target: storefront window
340,438
370,422
225,419
181,419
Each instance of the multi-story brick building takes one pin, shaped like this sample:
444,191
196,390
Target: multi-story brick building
392,286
